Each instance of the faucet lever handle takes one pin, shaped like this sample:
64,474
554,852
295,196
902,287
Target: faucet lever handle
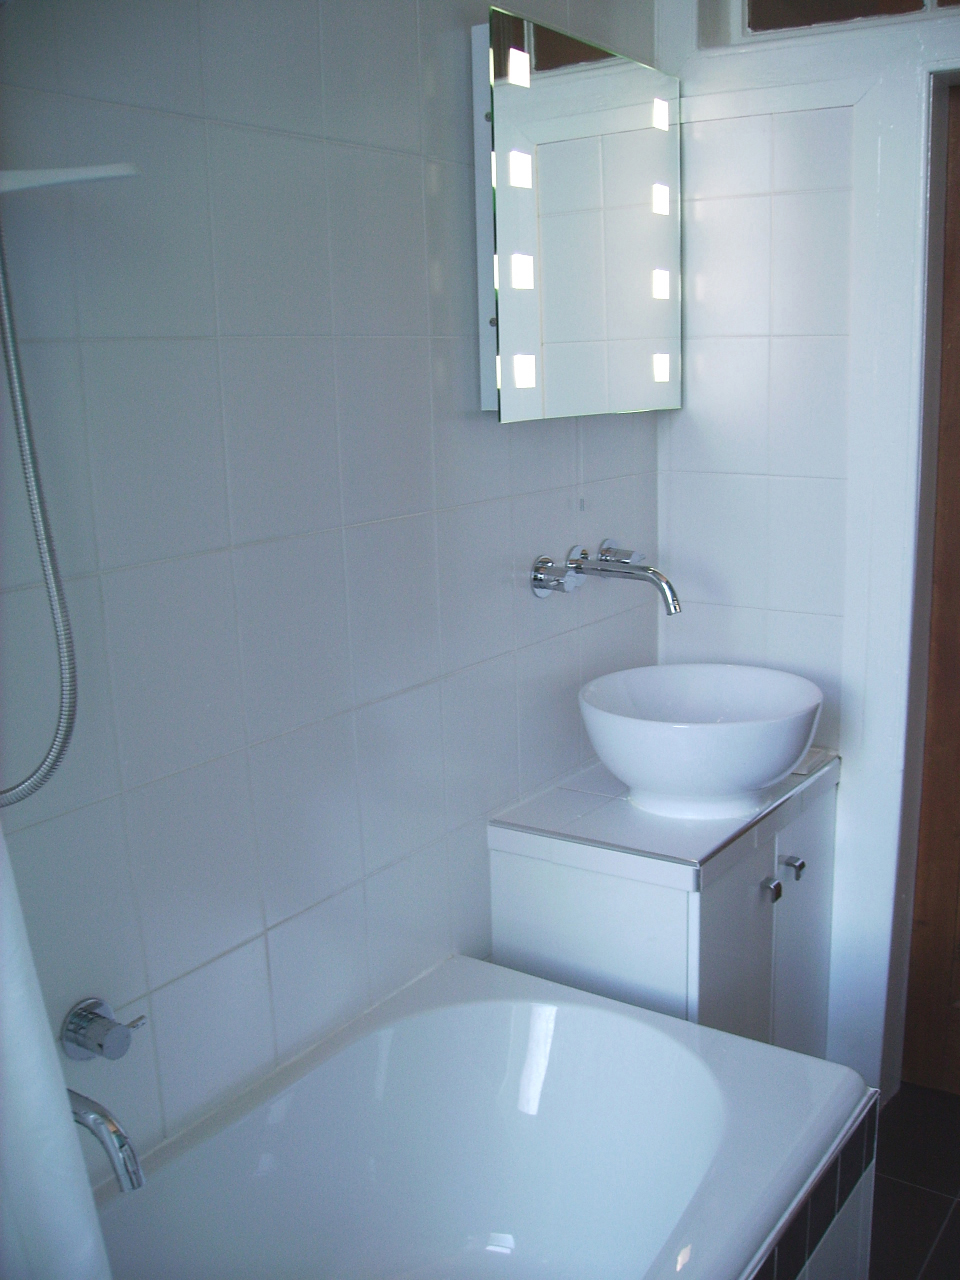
617,555
90,1030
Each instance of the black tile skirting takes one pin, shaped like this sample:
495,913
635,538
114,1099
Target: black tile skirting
807,1225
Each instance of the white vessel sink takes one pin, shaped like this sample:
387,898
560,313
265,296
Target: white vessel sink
700,740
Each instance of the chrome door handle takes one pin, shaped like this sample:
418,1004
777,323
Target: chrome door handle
773,887
796,865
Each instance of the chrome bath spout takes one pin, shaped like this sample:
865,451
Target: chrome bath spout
111,1137
617,562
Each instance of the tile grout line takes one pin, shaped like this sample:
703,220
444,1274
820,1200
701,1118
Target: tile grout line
936,1241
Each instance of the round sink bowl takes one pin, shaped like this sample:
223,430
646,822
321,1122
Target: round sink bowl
700,740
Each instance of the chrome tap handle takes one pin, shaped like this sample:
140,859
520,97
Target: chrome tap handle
90,1030
120,1152
546,577
608,553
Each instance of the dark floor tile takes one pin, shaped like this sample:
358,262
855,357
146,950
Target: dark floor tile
919,1139
906,1220
944,1262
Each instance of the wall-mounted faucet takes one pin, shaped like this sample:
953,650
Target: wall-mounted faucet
611,562
91,1115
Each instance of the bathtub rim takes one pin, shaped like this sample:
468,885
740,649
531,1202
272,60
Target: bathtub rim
462,981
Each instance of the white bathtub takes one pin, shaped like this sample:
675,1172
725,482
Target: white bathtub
486,1123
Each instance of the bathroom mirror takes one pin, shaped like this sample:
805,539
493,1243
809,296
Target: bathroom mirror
579,248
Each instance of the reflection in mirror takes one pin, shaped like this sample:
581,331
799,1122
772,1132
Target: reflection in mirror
579,260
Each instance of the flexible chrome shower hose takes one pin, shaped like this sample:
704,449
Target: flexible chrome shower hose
48,557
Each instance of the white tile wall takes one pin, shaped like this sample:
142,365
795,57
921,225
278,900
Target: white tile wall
192,862
296,552
752,489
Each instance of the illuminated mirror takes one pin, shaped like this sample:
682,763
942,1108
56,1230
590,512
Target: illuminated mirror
578,225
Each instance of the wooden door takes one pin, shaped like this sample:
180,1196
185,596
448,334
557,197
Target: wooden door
931,1051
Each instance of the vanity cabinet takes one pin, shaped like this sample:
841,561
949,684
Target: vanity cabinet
723,924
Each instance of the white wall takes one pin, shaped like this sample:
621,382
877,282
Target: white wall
879,76
752,468
296,554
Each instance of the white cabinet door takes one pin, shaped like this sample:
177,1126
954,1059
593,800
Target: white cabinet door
802,929
736,945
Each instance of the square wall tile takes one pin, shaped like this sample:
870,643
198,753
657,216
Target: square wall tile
813,150
144,55
726,157
318,970
726,267
806,545
171,635
143,261
468,869
715,633
29,680
811,645
617,444
715,548
37,229
214,1032
193,866
280,414
722,425
543,455
29,53
548,679
261,64
808,406
392,594
451,248
471,448
386,447
377,246
74,886
269,197
400,762
292,619
371,90
476,583
810,263
446,98
156,449
307,814
480,739
408,930
51,373
623,641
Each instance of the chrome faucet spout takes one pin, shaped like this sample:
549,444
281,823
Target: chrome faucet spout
98,1120
616,562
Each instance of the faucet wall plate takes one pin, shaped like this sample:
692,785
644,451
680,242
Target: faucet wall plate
90,1030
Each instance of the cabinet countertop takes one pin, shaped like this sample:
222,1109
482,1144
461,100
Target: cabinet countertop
590,807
